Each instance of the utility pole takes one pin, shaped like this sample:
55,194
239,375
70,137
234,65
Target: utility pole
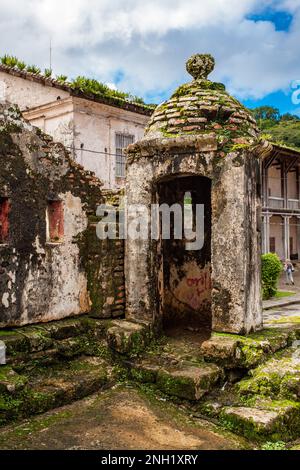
50,53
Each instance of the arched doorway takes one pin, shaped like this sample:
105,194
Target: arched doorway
184,262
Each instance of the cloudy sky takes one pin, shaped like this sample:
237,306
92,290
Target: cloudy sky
141,45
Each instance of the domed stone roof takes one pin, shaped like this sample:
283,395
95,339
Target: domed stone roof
202,106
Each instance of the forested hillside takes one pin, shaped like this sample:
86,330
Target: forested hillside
284,129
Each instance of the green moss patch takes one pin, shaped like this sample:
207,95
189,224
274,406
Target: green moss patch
273,421
50,387
245,351
279,377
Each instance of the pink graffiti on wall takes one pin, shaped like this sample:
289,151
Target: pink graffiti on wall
197,287
201,283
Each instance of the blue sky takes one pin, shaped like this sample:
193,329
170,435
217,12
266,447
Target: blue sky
282,21
141,46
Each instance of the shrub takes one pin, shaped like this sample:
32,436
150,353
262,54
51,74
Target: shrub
62,79
278,445
271,268
48,73
33,69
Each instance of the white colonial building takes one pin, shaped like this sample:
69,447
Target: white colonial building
281,203
95,130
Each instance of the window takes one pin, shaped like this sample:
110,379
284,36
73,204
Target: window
122,141
55,221
4,219
272,245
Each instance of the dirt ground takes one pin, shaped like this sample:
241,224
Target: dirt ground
118,419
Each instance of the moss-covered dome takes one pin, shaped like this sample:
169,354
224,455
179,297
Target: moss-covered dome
202,106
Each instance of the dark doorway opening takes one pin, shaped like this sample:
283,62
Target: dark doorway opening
185,274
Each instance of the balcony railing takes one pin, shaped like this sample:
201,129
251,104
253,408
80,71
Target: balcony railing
293,204
279,203
276,202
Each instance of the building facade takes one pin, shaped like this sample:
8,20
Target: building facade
94,130
281,203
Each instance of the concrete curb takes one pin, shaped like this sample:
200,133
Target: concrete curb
269,304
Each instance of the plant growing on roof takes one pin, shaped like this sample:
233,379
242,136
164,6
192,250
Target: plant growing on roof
21,65
83,84
10,61
48,73
61,79
33,69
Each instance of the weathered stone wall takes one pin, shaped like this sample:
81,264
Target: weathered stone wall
41,280
104,265
236,303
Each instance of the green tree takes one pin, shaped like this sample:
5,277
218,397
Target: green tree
289,117
266,112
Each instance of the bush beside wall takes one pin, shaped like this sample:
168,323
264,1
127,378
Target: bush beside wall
271,268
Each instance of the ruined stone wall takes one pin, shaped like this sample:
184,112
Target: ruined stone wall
42,279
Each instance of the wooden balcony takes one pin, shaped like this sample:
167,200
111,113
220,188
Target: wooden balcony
278,203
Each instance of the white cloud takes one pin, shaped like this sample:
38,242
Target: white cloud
149,41
112,86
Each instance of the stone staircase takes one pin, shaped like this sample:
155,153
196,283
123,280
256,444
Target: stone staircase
249,385
53,364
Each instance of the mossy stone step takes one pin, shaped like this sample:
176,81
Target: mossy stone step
50,387
181,379
234,351
129,338
46,343
277,378
269,420
188,381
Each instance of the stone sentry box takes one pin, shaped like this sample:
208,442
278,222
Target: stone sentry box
201,142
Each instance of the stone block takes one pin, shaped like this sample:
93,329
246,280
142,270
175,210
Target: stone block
10,381
145,372
128,337
188,382
279,377
272,420
233,351
37,339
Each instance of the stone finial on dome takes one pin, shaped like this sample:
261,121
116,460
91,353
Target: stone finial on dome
200,66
